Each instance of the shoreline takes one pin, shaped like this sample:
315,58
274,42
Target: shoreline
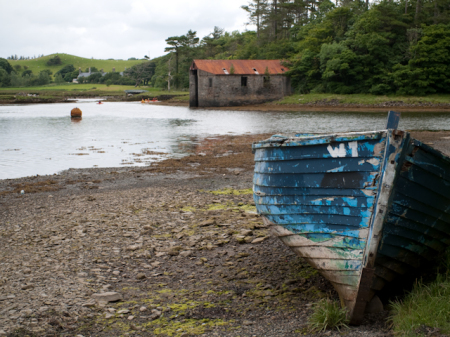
178,243
170,100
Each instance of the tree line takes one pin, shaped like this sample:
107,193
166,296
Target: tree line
18,76
342,46
339,46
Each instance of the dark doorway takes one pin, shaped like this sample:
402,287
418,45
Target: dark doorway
193,100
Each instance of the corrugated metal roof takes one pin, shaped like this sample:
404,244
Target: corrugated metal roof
241,67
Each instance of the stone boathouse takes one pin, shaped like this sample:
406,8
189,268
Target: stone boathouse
214,83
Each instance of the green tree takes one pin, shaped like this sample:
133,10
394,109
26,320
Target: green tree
26,72
43,78
58,78
177,45
141,72
5,79
68,69
93,70
54,61
4,64
428,71
16,80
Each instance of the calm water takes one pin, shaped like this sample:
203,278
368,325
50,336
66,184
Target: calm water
42,139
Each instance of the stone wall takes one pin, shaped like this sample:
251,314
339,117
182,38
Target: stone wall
228,90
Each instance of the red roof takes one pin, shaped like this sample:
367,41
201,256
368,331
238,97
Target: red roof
241,67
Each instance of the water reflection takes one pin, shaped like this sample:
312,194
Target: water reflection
115,134
180,122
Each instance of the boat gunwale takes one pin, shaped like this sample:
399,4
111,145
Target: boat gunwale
430,149
280,140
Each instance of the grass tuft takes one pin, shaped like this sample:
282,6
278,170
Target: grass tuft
426,309
328,315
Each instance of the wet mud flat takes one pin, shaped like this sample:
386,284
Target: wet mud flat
173,249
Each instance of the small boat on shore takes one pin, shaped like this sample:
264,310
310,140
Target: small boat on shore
363,208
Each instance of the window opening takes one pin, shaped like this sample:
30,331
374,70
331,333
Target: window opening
210,82
243,81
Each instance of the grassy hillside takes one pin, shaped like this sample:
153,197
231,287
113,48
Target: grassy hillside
39,64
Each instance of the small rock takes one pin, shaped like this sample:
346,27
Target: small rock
88,304
155,314
142,309
140,276
247,323
123,311
130,318
116,272
259,240
246,232
133,247
248,239
186,253
240,238
209,222
27,286
107,297
174,251
108,315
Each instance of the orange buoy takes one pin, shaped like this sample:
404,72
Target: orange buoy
75,113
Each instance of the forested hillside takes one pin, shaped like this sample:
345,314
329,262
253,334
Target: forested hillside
345,47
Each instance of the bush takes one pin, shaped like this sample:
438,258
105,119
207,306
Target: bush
66,70
4,64
26,72
5,79
59,79
328,315
108,83
54,61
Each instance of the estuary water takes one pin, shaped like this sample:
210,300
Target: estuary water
43,139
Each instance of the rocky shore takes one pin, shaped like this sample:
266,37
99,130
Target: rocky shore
173,249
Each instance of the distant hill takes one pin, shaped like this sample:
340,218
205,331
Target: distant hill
39,64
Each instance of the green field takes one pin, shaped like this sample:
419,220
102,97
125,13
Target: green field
91,87
39,64
54,92
75,87
363,99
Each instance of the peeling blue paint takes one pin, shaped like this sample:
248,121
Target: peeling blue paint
325,189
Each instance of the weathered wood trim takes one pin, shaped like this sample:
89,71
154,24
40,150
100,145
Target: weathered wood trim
394,153
389,174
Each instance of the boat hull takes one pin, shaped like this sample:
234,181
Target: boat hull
346,204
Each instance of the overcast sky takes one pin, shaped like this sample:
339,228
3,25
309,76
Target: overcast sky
104,29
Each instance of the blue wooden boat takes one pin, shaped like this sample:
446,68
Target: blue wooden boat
363,208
